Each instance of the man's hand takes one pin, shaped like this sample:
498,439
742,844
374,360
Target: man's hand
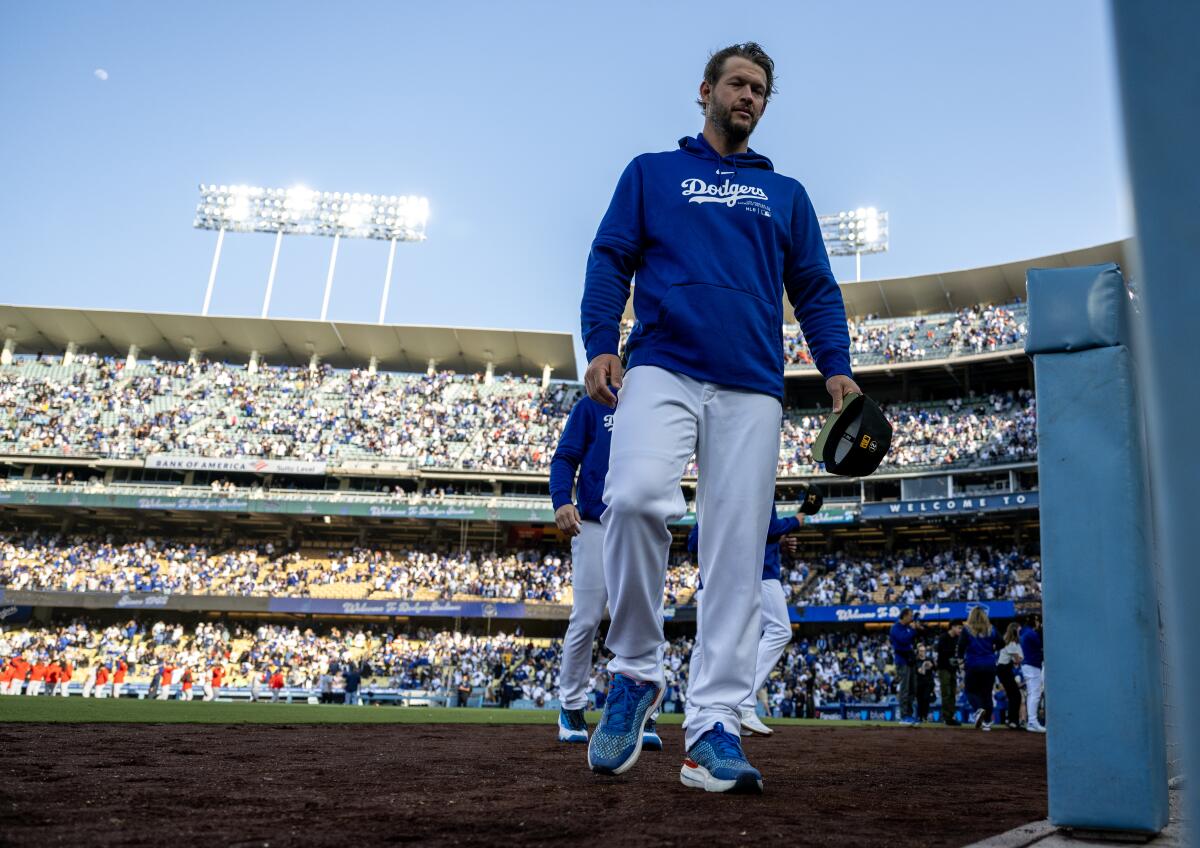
838,387
790,544
568,520
604,371
800,516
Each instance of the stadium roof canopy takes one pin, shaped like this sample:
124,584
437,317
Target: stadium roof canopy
953,290
283,341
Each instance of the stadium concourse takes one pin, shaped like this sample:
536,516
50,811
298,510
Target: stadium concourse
243,509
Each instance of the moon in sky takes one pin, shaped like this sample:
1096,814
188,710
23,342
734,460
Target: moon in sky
100,74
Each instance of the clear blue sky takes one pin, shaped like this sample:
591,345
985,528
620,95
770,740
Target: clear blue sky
988,131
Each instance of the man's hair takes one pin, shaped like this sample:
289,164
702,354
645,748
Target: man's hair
751,50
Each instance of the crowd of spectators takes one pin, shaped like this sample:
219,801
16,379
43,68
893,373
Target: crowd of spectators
497,668
87,564
976,329
99,406
340,663
915,577
54,562
974,431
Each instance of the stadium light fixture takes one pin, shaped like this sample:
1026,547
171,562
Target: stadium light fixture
859,231
302,211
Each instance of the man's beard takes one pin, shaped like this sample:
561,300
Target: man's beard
722,118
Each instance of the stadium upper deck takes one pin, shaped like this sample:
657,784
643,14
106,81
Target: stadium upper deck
331,406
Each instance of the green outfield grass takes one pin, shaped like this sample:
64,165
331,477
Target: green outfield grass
84,710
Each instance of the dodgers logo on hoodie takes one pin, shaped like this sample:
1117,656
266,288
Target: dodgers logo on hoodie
728,194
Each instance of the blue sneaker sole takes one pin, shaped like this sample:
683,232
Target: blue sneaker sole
628,763
652,743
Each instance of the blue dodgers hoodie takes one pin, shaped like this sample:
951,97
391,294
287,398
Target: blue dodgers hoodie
778,528
584,447
714,242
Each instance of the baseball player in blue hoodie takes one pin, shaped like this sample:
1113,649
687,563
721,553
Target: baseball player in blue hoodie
583,448
716,238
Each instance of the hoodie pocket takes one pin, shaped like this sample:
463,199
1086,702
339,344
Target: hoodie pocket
726,334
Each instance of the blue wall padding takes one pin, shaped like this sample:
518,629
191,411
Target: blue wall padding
1077,309
1106,747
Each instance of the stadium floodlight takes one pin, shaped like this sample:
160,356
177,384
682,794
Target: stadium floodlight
303,211
859,231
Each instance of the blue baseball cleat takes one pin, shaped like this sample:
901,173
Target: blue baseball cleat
571,726
716,764
651,741
617,740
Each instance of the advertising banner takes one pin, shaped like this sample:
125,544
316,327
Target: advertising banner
937,611
443,609
251,465
965,505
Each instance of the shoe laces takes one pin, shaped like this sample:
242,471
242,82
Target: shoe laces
621,705
725,744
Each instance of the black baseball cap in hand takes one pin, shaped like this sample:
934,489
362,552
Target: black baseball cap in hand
854,441
812,501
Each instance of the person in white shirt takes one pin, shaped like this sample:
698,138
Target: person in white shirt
1009,659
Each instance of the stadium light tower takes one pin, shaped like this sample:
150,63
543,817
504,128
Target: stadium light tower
302,211
856,232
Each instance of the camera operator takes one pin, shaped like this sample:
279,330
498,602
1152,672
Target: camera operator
926,671
947,671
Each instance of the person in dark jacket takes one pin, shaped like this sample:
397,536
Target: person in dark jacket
947,671
925,674
978,646
903,638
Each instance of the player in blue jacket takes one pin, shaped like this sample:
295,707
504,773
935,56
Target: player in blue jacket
583,448
716,237
1031,670
903,637
776,623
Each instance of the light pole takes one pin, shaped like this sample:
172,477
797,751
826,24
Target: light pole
855,232
302,211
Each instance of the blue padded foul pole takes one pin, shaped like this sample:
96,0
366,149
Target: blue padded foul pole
1106,749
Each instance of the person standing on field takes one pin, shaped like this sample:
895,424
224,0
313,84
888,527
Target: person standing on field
977,646
120,669
903,637
1031,670
583,450
947,669
715,237
1007,662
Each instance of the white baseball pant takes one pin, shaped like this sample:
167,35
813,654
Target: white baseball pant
663,417
587,608
1033,691
776,633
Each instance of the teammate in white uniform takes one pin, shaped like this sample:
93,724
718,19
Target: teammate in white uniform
776,623
583,447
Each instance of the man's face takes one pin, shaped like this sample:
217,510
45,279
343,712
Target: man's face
737,101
